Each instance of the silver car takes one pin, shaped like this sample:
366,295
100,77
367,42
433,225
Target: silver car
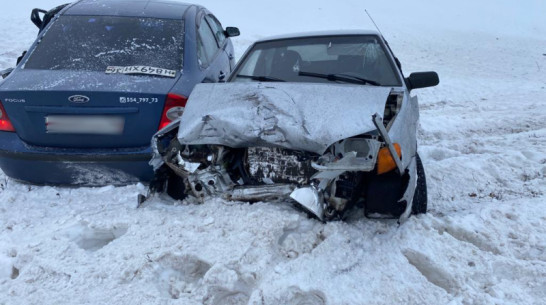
325,120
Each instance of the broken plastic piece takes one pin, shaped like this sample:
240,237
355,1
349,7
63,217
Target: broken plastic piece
310,199
260,192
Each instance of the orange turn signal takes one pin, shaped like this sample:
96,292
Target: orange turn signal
385,162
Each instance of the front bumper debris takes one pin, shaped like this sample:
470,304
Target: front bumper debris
323,185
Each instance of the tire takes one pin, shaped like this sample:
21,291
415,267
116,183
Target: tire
175,187
420,196
166,181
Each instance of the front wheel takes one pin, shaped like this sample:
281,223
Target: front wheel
175,187
419,205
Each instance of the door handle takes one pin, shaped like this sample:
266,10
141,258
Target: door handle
222,76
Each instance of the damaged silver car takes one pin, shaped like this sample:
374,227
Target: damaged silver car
326,119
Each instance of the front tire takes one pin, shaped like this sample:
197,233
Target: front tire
420,201
175,187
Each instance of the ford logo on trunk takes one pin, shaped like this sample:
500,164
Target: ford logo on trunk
79,99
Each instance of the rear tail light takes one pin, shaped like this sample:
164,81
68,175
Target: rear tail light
174,108
5,123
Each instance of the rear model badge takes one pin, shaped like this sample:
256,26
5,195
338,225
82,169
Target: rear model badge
79,99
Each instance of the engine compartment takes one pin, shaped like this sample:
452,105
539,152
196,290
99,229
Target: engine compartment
325,185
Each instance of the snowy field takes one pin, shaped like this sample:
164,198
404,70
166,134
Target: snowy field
482,140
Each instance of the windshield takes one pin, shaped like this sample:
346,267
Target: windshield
358,59
92,43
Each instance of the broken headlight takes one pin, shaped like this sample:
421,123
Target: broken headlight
359,145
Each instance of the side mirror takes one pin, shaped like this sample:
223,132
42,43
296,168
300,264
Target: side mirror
21,57
232,31
422,80
41,22
35,17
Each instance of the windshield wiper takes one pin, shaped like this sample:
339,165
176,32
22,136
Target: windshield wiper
341,77
262,78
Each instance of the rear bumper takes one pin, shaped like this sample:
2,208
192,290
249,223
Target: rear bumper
62,166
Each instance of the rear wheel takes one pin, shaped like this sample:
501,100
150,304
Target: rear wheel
420,196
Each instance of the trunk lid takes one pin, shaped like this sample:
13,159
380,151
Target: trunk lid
76,109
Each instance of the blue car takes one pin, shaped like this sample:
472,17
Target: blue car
102,77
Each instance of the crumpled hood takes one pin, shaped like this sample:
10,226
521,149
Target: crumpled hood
299,116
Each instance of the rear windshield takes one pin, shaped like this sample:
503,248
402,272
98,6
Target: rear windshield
92,43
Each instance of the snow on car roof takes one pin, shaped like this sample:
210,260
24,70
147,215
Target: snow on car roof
130,8
320,33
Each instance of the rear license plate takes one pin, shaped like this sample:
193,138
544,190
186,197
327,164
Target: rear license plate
84,124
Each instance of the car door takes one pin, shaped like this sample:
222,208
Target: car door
210,55
223,41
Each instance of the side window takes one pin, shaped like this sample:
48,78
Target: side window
208,41
251,66
201,57
216,29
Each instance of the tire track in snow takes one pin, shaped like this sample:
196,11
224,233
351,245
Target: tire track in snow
463,235
434,273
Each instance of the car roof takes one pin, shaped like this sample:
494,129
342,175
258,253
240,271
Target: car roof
129,8
320,34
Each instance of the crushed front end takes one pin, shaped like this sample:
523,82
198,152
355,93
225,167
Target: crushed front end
357,171
260,142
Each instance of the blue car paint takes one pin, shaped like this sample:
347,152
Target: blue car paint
32,155
33,86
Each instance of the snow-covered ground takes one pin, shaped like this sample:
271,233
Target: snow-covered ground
482,140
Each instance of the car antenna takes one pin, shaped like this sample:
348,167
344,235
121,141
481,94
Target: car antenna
373,22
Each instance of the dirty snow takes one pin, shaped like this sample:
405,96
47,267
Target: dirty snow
482,141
